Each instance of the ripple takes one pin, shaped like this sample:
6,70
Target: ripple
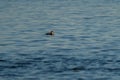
107,50
2,60
69,37
38,58
113,69
23,63
76,69
10,75
6,44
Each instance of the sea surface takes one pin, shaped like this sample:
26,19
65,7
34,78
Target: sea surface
86,44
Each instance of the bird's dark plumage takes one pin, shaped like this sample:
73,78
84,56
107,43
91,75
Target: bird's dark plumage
50,33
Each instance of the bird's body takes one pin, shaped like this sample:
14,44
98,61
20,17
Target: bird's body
50,33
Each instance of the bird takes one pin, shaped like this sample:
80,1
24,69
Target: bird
50,33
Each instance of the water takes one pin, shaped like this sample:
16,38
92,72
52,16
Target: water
86,44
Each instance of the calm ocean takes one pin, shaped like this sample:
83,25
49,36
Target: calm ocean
86,44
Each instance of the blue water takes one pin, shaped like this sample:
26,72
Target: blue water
86,44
